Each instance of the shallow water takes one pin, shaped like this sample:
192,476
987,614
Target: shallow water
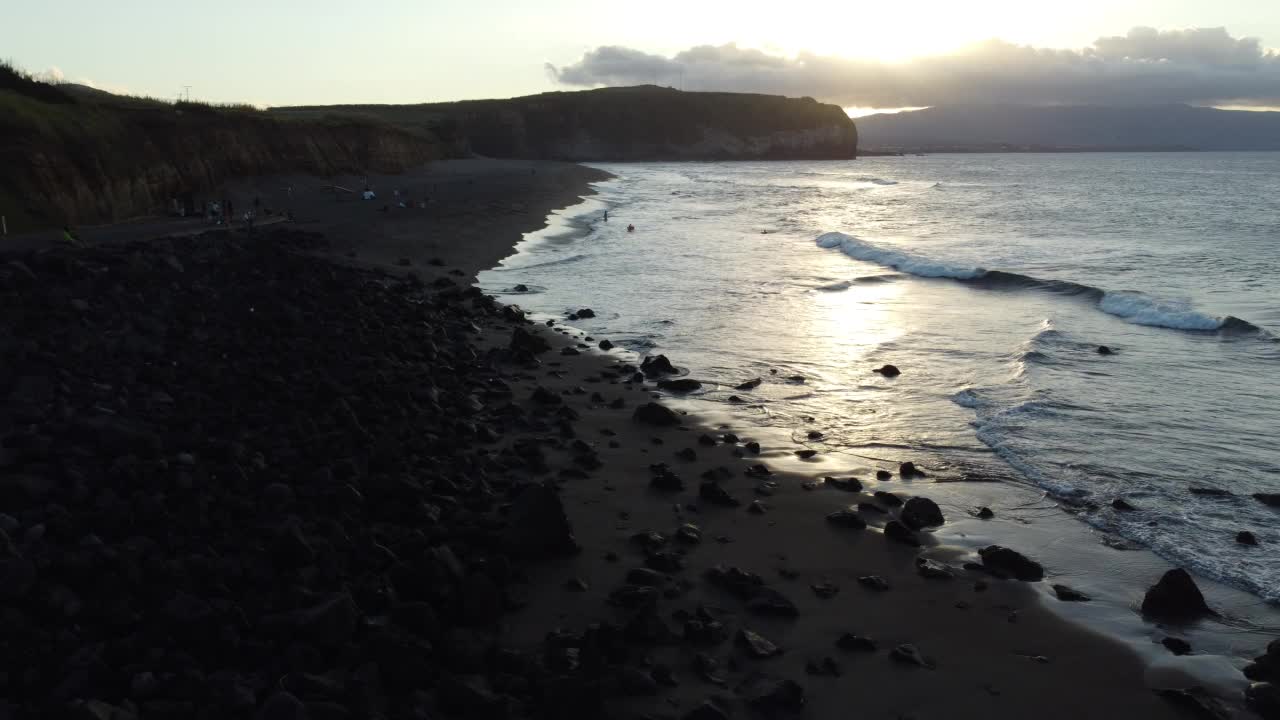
990,280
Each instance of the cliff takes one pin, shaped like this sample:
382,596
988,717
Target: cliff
92,158
631,124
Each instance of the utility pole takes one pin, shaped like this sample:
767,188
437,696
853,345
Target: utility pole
187,88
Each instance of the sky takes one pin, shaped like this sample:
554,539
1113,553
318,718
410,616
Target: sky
858,54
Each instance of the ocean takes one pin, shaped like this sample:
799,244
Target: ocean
991,281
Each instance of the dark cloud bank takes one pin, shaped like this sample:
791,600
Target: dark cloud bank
1198,66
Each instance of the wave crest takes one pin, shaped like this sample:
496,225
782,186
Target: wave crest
1131,306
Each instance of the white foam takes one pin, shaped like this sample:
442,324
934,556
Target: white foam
876,180
836,286
896,259
1143,310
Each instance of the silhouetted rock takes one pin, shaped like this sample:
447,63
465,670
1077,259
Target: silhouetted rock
847,518
1175,598
897,532
1122,505
1244,537
655,414
657,365
889,371
1268,499
921,512
1068,594
1177,646
1003,562
679,385
1104,350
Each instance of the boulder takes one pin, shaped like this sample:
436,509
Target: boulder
847,518
679,385
1268,499
1003,562
657,365
897,532
537,525
1175,598
921,512
1244,537
756,645
655,414
889,371
770,695
1068,594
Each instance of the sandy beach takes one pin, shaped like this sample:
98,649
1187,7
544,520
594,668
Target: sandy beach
398,499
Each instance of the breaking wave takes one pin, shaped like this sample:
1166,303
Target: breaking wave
1134,307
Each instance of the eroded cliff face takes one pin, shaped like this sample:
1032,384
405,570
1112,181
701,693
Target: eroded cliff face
143,161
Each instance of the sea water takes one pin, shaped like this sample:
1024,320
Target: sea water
991,281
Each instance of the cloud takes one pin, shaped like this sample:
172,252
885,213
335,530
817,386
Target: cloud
1204,66
52,75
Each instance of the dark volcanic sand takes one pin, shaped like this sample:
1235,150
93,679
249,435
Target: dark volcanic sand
240,480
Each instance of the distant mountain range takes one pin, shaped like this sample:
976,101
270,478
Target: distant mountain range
1077,128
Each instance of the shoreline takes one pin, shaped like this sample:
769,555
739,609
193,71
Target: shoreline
1230,644
450,483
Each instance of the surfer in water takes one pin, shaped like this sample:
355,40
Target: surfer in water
631,228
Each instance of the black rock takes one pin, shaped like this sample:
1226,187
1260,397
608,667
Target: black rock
933,569
586,313
888,371
537,524
804,454
707,440
921,512
1209,492
1268,499
845,484
756,645
713,493
708,710
884,475
664,479
757,508
770,695
874,582
1244,537
767,601
679,385
985,513
748,385
1122,505
689,533
825,590
1177,646
856,643
888,499
687,454
897,532
753,447
1264,699
742,583
523,341
1104,350
606,345
655,414
647,577
657,365
1067,594
847,518
543,396
909,654
1003,562
909,470
1175,598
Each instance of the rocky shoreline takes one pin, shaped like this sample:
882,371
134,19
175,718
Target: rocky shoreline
240,480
